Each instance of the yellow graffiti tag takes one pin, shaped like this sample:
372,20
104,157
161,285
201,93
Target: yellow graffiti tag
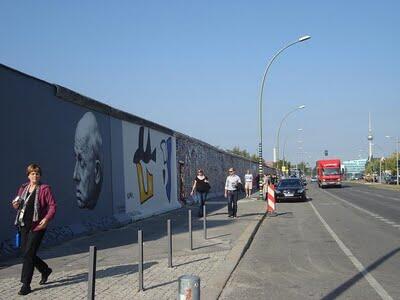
145,193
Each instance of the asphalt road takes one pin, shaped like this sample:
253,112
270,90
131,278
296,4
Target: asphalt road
341,244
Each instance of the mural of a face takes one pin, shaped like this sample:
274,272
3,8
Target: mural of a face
88,167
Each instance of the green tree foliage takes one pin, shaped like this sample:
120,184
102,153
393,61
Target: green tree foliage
372,166
244,153
388,164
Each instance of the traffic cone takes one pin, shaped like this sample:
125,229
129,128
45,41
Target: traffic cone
271,208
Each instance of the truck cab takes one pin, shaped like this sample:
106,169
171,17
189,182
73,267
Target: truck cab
329,173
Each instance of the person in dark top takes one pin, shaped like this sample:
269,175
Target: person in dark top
36,207
202,187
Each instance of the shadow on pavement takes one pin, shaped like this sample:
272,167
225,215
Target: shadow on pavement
108,272
218,236
158,285
346,285
206,246
154,229
192,261
286,214
249,215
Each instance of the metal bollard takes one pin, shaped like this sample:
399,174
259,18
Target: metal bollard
169,244
205,221
140,263
190,230
189,287
92,273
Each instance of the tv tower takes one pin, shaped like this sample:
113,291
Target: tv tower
370,137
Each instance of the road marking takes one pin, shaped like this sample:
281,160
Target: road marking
371,280
393,198
378,217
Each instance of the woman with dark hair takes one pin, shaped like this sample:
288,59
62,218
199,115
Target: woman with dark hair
36,207
201,186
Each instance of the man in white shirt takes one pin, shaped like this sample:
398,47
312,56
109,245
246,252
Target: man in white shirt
248,183
231,186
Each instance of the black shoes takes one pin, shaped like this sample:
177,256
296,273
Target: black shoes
25,290
45,276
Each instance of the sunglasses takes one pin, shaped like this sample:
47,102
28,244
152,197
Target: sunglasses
230,171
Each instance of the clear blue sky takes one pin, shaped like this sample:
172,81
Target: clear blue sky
196,66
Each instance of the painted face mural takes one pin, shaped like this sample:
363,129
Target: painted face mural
88,167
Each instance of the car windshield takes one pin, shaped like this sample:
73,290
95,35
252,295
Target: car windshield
290,183
331,171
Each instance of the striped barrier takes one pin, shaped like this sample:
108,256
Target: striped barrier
271,203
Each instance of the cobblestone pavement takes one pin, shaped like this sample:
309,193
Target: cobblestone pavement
212,259
121,281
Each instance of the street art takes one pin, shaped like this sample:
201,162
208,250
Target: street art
146,185
88,171
166,149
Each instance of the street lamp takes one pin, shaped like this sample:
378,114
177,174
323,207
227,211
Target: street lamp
284,147
260,167
276,149
397,156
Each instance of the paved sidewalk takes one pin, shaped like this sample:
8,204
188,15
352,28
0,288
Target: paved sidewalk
212,259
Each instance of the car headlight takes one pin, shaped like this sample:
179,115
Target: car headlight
300,191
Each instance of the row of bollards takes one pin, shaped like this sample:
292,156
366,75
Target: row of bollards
188,285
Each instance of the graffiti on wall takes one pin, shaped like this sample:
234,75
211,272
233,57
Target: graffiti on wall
88,171
149,170
193,156
145,181
166,150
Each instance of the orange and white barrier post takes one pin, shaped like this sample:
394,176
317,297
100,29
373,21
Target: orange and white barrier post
271,208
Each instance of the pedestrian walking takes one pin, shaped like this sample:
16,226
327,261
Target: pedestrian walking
248,183
202,186
232,185
35,207
266,182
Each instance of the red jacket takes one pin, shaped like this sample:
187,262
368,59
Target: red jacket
47,203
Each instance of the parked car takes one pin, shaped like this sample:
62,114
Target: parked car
391,180
289,189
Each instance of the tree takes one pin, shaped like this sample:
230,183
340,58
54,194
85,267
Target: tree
372,166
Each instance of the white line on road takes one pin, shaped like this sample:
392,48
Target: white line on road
378,217
371,280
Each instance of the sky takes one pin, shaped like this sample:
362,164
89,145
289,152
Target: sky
196,67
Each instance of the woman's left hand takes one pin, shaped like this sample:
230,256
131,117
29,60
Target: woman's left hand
43,223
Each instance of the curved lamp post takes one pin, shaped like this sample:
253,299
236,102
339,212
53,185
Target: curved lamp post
284,147
260,162
279,129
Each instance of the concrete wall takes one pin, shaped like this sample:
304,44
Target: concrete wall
106,167
193,154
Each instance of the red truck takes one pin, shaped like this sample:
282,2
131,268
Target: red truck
329,173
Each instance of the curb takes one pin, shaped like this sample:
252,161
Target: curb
221,277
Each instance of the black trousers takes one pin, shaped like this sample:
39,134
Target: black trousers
203,198
30,242
232,203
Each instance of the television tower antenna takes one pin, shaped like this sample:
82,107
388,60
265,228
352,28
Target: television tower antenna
370,137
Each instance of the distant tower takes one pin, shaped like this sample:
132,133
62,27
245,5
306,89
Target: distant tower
370,137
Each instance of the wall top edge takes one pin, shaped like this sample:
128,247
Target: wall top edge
71,96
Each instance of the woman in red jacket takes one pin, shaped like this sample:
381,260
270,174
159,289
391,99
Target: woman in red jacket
36,208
